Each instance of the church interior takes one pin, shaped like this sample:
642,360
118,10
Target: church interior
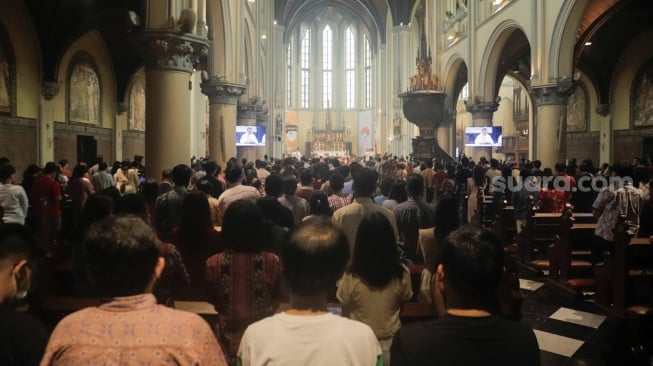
366,81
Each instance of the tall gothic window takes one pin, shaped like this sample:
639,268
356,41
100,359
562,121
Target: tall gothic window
327,67
368,73
289,73
306,67
350,61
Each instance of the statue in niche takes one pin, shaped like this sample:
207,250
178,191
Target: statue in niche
642,97
576,116
5,77
84,94
137,107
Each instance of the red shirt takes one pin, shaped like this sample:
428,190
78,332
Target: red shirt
45,190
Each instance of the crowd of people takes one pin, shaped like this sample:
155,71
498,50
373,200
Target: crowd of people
253,235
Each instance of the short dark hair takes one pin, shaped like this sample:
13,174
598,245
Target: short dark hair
50,168
102,166
622,169
274,185
181,175
120,254
319,203
233,173
306,177
6,171
364,182
242,227
289,185
537,164
17,241
560,167
166,174
132,204
314,257
473,261
386,185
415,185
337,182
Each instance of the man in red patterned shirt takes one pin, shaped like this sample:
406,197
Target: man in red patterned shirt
122,259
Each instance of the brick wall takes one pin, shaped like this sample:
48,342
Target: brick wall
65,141
133,143
18,142
582,146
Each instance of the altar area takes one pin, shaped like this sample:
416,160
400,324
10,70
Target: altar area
328,143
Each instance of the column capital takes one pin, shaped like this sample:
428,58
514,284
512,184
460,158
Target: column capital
602,109
249,111
552,94
168,50
482,110
122,107
50,89
221,91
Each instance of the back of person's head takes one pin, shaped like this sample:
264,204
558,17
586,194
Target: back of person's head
233,174
6,171
560,167
103,166
79,171
181,175
97,208
166,174
274,185
494,163
622,169
50,168
120,255
204,185
445,223
4,160
464,161
210,167
478,175
415,185
364,182
376,258
472,259
132,204
319,204
17,245
150,190
336,182
343,170
537,164
289,185
242,227
398,191
306,177
314,257
386,185
195,217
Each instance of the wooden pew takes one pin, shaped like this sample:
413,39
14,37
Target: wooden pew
629,263
564,253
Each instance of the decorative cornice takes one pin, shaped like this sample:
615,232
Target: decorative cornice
552,94
122,107
220,91
7,122
67,128
482,110
50,89
602,109
171,51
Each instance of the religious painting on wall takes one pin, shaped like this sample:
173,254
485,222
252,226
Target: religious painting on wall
137,107
641,97
84,93
577,111
5,77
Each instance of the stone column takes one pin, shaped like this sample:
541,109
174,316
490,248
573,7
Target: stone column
169,62
122,123
482,117
402,65
550,138
45,124
223,98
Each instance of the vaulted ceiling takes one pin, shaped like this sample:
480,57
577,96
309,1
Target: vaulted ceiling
60,22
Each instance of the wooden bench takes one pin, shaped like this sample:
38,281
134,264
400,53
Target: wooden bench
570,251
625,278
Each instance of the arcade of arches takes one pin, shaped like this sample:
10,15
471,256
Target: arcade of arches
564,79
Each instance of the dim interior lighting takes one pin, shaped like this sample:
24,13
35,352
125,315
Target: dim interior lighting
588,43
264,37
274,22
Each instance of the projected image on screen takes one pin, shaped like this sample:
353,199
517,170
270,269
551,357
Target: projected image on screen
483,136
250,135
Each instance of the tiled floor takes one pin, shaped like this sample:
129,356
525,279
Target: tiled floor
569,330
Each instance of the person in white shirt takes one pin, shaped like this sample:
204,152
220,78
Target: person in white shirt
313,259
484,138
235,191
248,138
13,199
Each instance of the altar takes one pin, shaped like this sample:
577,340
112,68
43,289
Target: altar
328,143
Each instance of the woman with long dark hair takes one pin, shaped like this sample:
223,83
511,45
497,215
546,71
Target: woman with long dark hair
196,240
244,280
376,284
